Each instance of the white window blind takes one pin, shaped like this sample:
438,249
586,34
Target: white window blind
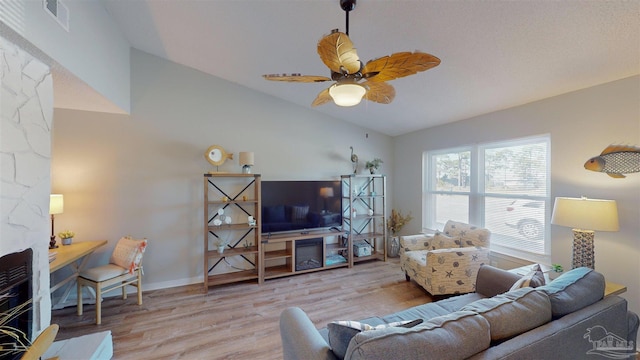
502,186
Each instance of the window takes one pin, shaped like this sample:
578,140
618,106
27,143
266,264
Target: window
503,186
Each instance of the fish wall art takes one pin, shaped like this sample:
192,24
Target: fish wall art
616,160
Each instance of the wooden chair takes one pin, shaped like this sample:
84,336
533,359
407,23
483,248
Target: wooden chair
124,268
41,343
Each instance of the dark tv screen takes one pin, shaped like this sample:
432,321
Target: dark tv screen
300,205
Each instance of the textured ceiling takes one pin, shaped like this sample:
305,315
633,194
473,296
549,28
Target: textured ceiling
495,54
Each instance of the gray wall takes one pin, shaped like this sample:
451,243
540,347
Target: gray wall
581,125
141,175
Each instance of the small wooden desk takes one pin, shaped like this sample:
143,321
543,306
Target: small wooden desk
613,288
76,256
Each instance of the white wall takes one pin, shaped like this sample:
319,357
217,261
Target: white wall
93,50
141,175
581,125
26,113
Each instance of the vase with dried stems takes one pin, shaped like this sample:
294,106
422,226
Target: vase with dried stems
394,224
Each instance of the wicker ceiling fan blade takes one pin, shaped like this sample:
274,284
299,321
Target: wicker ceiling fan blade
399,65
337,52
322,98
379,92
296,78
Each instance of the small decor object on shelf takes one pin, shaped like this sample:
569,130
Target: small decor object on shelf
251,221
216,156
246,161
67,237
354,160
373,165
361,248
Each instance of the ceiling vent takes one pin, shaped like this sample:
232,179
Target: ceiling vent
59,11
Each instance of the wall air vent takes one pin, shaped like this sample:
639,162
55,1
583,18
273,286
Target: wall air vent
59,11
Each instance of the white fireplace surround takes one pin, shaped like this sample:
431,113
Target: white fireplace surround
26,114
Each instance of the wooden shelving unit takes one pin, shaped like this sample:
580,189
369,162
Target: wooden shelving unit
279,255
366,195
238,194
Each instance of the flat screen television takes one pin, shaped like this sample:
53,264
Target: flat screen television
300,205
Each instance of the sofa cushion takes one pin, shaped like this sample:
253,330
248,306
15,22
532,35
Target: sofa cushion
442,241
532,279
513,313
341,332
467,235
425,311
453,336
415,242
574,290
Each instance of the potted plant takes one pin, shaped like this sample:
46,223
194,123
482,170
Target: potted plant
373,165
394,224
67,237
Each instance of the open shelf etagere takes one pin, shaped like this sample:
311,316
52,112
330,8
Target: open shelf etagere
239,193
366,194
279,257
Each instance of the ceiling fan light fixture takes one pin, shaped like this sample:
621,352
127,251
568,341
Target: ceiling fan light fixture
347,94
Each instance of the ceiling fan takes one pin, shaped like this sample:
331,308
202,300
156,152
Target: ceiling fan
353,79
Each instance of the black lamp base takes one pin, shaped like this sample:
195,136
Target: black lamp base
52,243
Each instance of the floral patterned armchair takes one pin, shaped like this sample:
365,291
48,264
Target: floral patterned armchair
447,262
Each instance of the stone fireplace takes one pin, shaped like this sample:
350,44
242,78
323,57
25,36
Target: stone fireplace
26,115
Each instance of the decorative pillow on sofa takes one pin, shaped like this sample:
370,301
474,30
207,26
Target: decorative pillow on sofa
532,279
574,290
341,332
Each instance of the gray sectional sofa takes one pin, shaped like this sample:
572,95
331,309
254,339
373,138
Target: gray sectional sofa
568,318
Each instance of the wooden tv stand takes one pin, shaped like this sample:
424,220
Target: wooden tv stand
279,252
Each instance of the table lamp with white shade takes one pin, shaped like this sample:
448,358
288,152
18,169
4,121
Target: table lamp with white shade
246,161
585,216
56,206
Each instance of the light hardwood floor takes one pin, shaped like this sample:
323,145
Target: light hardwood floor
240,321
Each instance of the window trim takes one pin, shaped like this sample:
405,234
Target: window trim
477,194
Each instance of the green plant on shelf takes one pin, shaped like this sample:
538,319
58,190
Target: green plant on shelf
373,165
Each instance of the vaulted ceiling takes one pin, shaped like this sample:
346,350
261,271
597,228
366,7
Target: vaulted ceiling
495,54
